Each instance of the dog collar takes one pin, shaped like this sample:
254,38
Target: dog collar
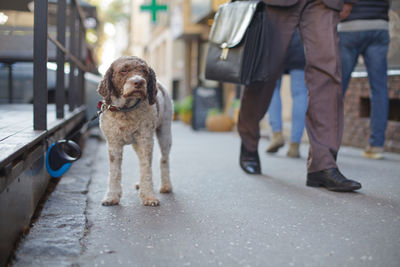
103,106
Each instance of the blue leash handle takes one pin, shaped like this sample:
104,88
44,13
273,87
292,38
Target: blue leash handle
56,173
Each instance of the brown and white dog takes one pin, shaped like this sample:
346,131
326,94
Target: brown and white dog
135,107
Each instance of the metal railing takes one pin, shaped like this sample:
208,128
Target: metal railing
78,68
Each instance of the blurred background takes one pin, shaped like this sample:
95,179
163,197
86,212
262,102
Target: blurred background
172,37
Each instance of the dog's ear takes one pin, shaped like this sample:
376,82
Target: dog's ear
152,87
106,86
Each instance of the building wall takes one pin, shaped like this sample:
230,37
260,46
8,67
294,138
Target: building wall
140,29
172,45
159,56
357,120
152,41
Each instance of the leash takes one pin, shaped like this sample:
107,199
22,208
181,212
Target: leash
101,106
62,153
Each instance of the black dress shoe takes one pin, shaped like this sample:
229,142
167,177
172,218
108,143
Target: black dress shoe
332,179
249,161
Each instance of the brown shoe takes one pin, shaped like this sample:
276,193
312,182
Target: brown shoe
276,142
373,152
293,151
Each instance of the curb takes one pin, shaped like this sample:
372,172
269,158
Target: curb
54,239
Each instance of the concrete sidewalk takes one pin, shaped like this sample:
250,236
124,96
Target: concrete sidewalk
218,215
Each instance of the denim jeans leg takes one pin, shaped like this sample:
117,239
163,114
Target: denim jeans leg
299,95
349,51
275,109
375,57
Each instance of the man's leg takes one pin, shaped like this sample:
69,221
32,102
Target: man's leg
275,119
257,96
375,58
254,104
349,51
324,123
299,96
324,119
275,109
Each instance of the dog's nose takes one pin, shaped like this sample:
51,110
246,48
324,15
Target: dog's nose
137,81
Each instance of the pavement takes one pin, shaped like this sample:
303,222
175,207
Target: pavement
217,215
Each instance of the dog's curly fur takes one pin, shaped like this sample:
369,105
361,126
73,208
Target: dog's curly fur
126,80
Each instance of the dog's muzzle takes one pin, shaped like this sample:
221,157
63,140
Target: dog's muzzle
135,87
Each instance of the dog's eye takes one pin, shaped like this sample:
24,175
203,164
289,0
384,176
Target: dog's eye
124,71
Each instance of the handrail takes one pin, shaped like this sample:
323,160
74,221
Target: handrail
76,81
40,65
66,52
81,14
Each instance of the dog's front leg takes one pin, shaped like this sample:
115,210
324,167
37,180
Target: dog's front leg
144,150
114,191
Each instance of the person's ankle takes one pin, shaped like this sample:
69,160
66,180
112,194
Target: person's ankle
373,152
277,142
294,151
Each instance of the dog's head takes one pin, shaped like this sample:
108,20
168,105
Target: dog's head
128,78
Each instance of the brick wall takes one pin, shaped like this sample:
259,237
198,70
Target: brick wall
356,122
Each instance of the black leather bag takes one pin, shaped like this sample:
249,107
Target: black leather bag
238,43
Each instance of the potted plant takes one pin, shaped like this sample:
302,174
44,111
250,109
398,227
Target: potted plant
235,110
217,121
185,109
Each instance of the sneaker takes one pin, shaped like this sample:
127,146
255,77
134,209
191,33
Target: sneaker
373,152
276,142
293,151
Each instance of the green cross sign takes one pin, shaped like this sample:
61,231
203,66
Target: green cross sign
153,8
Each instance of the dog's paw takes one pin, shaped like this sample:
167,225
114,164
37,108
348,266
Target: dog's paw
150,201
110,202
111,199
166,189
